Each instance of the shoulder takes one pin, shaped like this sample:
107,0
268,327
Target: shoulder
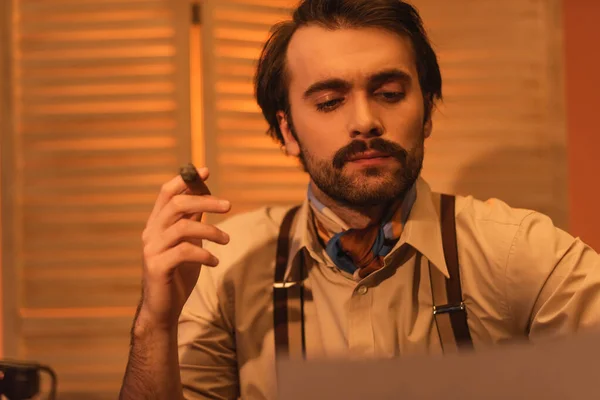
492,211
490,227
254,225
253,237
495,220
250,230
513,234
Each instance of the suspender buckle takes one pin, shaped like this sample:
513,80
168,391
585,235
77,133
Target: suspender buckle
284,285
448,308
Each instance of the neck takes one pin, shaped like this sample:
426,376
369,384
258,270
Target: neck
354,217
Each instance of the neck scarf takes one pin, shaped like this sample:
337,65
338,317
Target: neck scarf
360,252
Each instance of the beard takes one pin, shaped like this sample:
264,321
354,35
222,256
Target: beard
368,186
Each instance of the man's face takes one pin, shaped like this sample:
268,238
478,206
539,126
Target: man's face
357,113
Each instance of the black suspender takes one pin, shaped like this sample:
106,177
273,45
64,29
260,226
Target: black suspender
448,307
288,297
449,310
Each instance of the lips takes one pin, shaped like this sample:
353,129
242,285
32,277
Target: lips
368,155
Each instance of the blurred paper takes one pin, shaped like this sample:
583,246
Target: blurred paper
565,369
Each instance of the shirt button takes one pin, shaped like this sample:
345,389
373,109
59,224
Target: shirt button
362,290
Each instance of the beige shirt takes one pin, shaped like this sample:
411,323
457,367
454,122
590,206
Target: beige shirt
521,278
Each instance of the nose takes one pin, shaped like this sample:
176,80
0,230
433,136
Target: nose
363,119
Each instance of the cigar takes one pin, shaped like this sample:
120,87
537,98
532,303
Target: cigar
195,184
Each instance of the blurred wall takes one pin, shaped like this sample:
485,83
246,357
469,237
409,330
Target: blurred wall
583,100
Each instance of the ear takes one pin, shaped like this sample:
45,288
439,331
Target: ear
292,147
428,127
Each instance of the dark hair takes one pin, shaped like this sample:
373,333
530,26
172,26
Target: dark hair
271,81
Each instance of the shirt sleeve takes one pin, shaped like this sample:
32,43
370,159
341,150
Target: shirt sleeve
207,354
553,280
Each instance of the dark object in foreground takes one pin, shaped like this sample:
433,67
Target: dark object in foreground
190,176
21,380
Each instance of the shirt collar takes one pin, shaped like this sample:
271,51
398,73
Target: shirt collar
422,231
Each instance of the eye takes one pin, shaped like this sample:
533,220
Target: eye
391,97
329,105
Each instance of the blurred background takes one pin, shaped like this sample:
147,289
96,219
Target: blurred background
101,101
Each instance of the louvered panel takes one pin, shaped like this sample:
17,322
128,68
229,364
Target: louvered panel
250,169
499,131
102,123
85,345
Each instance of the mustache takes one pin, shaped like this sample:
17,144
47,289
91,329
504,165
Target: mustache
394,150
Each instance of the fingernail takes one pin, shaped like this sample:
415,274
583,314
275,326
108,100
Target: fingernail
224,203
203,171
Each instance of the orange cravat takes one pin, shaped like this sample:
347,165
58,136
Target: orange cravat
360,251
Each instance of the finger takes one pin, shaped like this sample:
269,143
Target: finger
184,252
184,205
173,188
186,230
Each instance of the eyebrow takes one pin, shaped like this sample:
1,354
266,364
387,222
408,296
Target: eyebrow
376,80
328,84
389,75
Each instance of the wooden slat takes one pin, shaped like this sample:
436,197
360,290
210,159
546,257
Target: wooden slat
83,291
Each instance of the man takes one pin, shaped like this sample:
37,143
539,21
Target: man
348,87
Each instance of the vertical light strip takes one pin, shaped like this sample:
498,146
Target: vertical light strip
196,87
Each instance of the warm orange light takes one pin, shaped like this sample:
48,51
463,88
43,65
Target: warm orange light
196,98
